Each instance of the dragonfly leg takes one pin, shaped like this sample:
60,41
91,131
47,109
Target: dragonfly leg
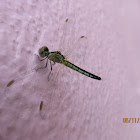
51,70
41,59
45,65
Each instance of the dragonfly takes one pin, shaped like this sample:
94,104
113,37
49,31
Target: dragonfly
59,58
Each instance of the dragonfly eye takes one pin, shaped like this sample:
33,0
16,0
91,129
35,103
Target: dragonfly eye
43,51
46,49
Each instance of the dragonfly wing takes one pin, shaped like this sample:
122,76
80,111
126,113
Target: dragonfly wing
69,46
79,47
56,90
12,87
68,36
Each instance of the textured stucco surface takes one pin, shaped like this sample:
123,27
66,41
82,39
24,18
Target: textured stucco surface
76,107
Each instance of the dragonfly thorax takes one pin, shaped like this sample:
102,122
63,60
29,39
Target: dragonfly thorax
56,56
43,52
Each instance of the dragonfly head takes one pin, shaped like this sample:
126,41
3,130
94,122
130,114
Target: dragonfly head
43,52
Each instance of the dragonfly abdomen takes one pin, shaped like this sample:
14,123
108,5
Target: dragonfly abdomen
76,68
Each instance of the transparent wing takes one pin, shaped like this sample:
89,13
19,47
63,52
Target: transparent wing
70,46
78,48
21,79
68,36
59,86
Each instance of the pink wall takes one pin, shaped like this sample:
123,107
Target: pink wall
75,107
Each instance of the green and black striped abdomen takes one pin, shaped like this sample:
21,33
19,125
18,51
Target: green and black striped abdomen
72,66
